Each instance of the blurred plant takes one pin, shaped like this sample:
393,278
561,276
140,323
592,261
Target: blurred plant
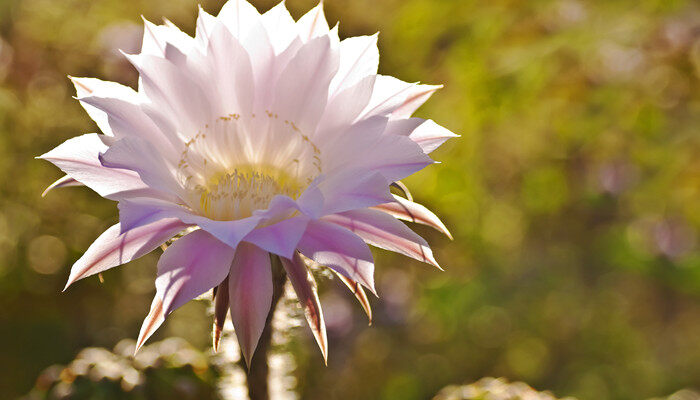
163,370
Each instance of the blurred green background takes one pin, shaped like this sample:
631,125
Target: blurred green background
573,196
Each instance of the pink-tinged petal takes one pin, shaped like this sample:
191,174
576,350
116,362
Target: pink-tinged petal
359,58
250,295
139,211
231,66
79,158
239,16
354,189
205,26
359,293
85,87
143,158
112,248
339,249
345,106
280,27
302,88
221,307
171,89
426,133
153,321
189,267
305,287
413,212
397,98
386,232
66,181
157,37
280,238
313,24
395,157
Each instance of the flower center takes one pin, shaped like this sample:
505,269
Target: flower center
237,164
237,194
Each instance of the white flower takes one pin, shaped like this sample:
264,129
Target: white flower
259,135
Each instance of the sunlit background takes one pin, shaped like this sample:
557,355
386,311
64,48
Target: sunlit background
573,196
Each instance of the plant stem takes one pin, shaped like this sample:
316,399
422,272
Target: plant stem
257,378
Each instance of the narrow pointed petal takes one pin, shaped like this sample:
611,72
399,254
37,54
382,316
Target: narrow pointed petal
313,24
302,89
250,296
79,158
409,211
280,27
397,98
305,287
189,267
359,58
426,133
359,293
221,303
112,248
386,232
153,321
339,249
66,181
88,87
239,16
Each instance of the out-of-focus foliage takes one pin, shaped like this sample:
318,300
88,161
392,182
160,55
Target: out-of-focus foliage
572,195
494,389
165,370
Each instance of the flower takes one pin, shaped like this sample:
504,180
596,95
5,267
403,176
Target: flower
259,136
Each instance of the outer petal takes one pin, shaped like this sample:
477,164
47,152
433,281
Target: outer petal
359,293
414,212
85,87
143,158
359,58
426,133
354,189
384,231
239,16
78,157
153,321
305,288
302,89
66,181
397,98
112,248
250,295
280,238
340,250
313,24
191,266
280,27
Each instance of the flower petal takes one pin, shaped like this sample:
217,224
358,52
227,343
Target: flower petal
386,232
189,267
112,248
413,212
305,287
302,88
354,189
339,249
79,158
359,293
250,295
280,27
313,24
221,308
426,133
280,238
151,323
397,98
65,181
359,58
